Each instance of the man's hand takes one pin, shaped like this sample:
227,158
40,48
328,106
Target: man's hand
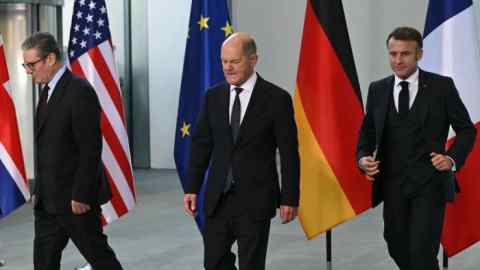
190,203
441,162
370,166
287,213
79,208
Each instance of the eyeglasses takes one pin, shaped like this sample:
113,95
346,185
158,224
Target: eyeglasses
31,65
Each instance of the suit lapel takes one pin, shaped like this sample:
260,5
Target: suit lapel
419,108
421,103
57,95
384,99
224,105
254,109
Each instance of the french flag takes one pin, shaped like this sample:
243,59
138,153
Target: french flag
451,48
13,181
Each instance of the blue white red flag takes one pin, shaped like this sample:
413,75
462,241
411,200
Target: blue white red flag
451,48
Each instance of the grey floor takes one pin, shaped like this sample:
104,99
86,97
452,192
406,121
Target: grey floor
158,235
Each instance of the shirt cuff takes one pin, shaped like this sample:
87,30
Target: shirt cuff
454,167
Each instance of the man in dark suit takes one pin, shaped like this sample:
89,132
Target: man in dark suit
401,148
70,184
242,124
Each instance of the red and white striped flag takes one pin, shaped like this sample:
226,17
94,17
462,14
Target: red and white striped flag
90,56
13,181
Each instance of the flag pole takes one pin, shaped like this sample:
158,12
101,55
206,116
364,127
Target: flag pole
445,260
329,249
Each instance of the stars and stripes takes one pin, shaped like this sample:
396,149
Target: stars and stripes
13,181
91,56
89,28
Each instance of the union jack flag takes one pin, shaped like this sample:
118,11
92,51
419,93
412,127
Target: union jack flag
13,181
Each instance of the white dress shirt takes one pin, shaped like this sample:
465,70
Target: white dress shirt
53,82
244,96
412,88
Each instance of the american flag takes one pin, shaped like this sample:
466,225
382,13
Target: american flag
13,181
91,57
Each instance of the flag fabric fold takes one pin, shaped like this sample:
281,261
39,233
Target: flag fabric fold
329,112
14,190
90,56
451,48
209,26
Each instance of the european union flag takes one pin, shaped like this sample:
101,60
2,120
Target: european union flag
209,26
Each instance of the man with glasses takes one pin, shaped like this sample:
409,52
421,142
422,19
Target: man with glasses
70,184
31,66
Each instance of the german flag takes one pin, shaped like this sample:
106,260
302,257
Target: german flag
328,111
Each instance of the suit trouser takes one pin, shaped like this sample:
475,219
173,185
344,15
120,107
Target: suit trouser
52,233
230,224
413,225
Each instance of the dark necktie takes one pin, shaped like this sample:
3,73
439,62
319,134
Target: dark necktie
403,99
43,103
235,126
236,114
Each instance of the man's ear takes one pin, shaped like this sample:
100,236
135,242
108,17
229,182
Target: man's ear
51,59
253,58
419,54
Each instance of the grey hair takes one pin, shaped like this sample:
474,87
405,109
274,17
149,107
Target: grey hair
250,47
45,43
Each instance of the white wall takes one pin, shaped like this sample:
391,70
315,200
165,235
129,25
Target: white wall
368,22
277,26
166,42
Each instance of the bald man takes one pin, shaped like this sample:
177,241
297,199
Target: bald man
241,125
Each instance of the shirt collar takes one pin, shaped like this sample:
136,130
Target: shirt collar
53,82
248,84
411,80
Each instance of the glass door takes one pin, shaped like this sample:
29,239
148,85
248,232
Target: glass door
18,21
15,22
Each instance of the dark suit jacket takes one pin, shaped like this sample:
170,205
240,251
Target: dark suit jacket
68,148
268,124
438,105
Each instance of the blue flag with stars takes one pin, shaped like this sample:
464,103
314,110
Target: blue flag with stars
209,26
